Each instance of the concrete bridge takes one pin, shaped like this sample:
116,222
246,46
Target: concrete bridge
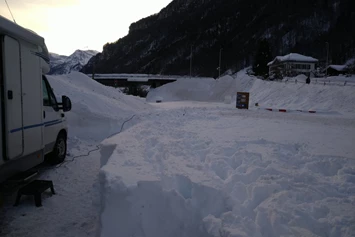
129,80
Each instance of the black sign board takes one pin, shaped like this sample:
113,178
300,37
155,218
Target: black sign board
242,100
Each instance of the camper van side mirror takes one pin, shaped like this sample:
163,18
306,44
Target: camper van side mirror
66,103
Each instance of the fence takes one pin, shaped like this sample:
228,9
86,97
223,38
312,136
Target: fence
321,81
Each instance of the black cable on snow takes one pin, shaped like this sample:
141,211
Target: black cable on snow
98,147
122,126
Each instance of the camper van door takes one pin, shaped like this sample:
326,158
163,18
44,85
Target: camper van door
13,98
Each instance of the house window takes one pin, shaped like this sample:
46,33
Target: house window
301,66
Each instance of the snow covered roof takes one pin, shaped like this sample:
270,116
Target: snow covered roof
142,77
339,68
293,57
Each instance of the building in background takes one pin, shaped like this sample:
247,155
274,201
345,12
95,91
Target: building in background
292,64
336,70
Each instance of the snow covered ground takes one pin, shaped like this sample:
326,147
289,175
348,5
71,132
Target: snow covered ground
222,172
196,166
198,169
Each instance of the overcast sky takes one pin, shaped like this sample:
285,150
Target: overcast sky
68,25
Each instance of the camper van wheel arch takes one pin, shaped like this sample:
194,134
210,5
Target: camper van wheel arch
59,152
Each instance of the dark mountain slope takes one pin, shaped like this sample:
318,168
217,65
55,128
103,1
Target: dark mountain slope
162,43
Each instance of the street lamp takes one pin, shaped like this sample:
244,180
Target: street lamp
191,62
220,60
326,69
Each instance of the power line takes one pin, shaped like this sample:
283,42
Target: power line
8,7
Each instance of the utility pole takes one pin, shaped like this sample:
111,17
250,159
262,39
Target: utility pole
326,69
191,62
93,70
220,61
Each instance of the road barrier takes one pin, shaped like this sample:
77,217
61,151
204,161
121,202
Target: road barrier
290,110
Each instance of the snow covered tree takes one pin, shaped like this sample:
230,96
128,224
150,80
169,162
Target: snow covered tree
352,68
262,57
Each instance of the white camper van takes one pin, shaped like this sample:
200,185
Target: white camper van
33,124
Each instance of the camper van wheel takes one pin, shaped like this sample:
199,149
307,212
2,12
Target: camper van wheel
59,152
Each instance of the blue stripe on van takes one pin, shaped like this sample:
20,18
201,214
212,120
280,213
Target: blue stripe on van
46,124
54,123
27,127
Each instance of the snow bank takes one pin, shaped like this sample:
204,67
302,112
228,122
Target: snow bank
301,96
292,93
210,90
218,172
97,110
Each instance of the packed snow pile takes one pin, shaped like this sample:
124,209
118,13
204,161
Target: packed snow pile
208,89
221,172
97,110
301,96
292,93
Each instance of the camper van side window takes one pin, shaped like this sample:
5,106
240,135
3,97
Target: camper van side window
46,101
48,95
52,99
